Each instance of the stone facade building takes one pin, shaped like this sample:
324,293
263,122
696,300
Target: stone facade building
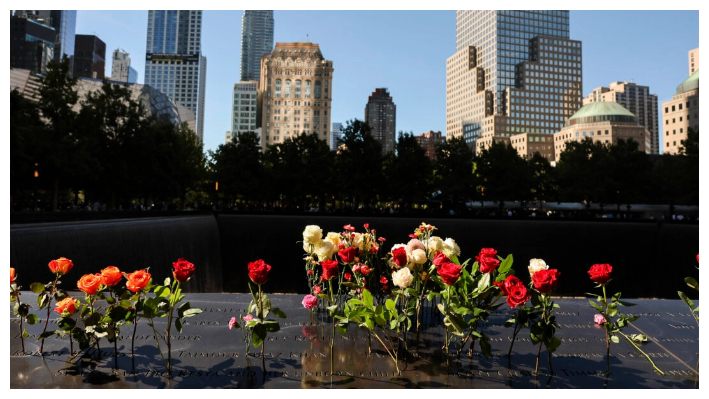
680,114
527,144
428,142
295,93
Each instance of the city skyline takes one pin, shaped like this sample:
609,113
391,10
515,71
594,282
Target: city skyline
414,77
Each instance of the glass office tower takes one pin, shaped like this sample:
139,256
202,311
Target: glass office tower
256,40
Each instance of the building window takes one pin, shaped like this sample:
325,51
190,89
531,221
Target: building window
317,89
307,89
278,87
288,88
297,88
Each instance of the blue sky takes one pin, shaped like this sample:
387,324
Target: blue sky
406,52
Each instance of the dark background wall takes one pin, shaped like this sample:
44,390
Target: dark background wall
649,259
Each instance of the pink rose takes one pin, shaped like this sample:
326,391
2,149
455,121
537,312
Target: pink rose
248,318
317,289
310,302
599,319
232,322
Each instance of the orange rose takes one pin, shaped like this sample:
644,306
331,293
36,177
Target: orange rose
66,305
12,275
61,265
111,276
89,283
137,280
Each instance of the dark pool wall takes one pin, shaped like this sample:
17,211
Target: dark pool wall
649,260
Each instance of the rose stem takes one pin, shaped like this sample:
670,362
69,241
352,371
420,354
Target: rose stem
49,309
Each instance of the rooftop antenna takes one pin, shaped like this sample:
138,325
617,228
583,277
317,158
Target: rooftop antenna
307,37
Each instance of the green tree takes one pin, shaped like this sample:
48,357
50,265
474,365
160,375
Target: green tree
237,167
584,173
542,187
453,173
28,137
358,166
502,174
409,174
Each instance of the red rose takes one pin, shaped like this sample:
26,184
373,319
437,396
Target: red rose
449,272
61,265
601,273
12,275
317,289
366,225
364,269
375,248
258,271
515,291
487,260
545,280
440,259
348,255
349,227
383,280
183,270
310,272
348,277
329,269
382,239
399,256
356,268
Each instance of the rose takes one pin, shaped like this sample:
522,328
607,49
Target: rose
183,270
66,305
111,276
89,283
383,280
418,256
601,273
402,278
364,270
137,280
414,244
435,244
440,259
599,319
399,256
248,318
348,254
487,260
232,322
545,280
329,269
310,302
333,238
324,249
536,265
317,289
312,234
356,268
515,291
349,227
348,277
358,240
449,272
258,271
61,265
450,248
12,275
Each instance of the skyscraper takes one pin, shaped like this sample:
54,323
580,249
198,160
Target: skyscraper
31,43
380,116
121,71
636,99
513,72
256,41
693,58
173,60
244,104
295,93
64,23
89,57
335,135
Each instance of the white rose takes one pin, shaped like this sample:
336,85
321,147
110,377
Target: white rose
324,250
358,241
414,244
450,248
306,247
418,256
312,234
403,278
333,238
435,244
536,265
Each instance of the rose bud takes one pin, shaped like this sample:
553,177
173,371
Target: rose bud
348,277
61,265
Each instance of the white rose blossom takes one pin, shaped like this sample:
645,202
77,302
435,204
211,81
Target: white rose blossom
435,244
402,278
333,238
536,265
312,234
414,244
358,241
418,256
324,250
450,248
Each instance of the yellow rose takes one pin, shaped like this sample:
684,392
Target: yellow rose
312,234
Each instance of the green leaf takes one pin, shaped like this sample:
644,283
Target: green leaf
685,299
393,324
369,323
162,292
117,313
484,282
178,324
110,300
279,313
22,310
258,334
690,282
441,308
391,305
325,297
462,310
623,303
32,319
332,309
506,264
552,344
66,323
25,334
42,300
485,346
167,282
271,325
44,335
342,329
37,288
638,338
614,339
456,324
367,298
